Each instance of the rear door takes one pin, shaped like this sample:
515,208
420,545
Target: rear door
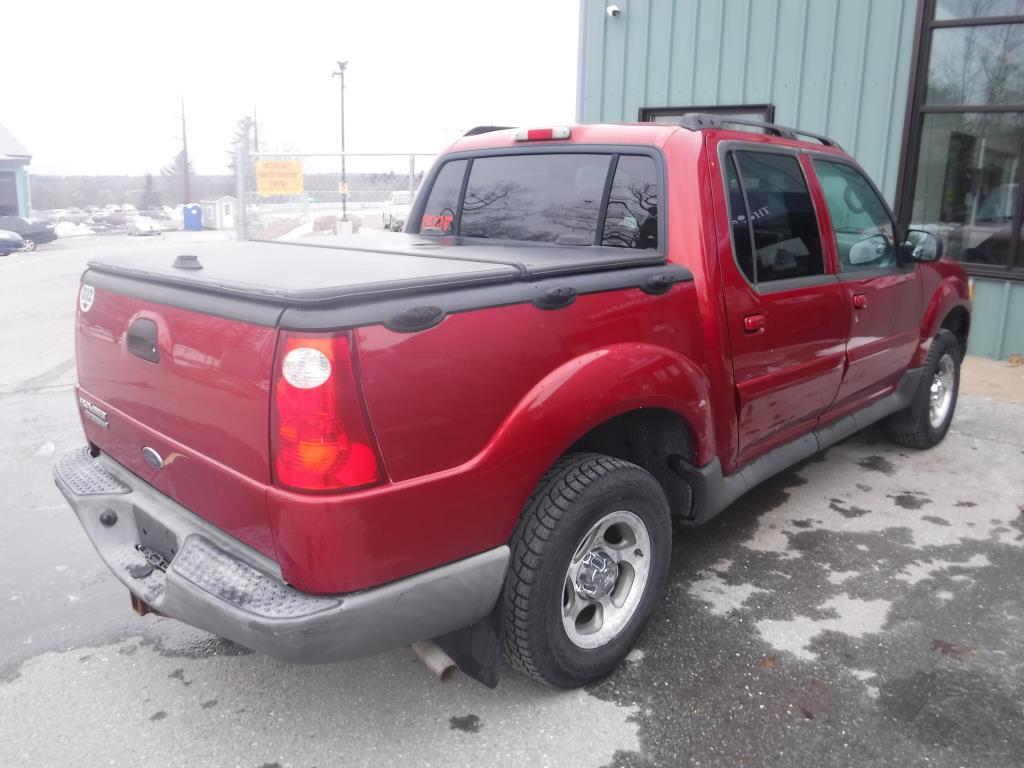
885,296
787,314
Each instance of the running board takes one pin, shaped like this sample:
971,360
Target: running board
714,491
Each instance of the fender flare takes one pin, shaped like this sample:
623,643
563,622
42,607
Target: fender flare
952,293
601,384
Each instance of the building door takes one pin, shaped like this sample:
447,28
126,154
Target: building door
788,317
8,194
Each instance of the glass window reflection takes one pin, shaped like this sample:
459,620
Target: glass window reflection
967,183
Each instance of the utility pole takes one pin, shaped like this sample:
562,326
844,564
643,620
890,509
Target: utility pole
344,180
184,152
255,132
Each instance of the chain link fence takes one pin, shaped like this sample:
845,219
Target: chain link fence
290,196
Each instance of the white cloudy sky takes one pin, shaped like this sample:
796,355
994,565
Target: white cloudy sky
93,87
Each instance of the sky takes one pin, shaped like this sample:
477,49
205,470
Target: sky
95,87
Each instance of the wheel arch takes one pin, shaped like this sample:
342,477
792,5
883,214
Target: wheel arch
958,322
949,307
654,439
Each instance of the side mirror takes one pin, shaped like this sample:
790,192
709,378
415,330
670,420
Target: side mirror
922,246
869,251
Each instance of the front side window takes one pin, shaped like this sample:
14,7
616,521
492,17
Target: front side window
781,224
560,198
864,231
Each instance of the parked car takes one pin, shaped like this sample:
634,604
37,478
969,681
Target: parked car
142,225
396,210
32,233
322,452
986,235
10,242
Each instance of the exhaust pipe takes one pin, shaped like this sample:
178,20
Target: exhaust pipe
436,660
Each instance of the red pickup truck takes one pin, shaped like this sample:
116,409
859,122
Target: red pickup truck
478,430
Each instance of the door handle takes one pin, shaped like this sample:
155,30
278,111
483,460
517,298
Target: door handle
860,300
754,323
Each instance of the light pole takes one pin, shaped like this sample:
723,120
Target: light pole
344,180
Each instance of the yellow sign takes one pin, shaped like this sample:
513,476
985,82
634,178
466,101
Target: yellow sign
278,177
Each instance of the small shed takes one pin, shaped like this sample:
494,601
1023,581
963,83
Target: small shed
14,160
219,213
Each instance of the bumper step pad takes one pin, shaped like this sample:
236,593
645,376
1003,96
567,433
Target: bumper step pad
85,477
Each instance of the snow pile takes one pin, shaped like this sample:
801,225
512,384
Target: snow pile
67,229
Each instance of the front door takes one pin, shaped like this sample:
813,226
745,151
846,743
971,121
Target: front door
885,296
788,316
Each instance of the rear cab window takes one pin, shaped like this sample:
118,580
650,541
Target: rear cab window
571,198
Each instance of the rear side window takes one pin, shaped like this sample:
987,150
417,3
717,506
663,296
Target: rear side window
782,226
439,215
565,199
738,220
631,220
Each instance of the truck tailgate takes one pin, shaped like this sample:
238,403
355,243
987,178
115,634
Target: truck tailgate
200,400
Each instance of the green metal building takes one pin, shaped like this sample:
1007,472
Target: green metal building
14,160
928,95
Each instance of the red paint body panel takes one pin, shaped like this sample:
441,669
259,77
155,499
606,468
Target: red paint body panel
470,413
460,483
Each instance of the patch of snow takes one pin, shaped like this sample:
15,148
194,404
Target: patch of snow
69,229
838,577
919,571
721,596
854,618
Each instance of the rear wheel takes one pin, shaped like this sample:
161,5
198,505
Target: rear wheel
927,420
30,244
590,558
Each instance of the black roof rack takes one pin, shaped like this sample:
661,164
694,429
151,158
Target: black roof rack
486,129
696,121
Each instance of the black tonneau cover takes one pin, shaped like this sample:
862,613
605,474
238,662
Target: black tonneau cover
406,282
326,269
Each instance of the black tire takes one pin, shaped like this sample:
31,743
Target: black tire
4,253
913,426
575,494
30,244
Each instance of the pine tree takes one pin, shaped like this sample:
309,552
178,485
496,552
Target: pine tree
174,172
150,198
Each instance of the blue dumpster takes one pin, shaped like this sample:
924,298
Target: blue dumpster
192,216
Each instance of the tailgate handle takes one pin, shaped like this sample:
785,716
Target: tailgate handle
142,340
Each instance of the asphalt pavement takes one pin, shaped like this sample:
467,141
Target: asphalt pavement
864,608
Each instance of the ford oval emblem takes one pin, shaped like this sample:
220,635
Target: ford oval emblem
154,459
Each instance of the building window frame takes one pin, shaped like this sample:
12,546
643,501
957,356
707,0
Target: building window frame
649,114
913,128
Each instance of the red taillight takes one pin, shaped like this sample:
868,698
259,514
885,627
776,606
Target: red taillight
321,434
